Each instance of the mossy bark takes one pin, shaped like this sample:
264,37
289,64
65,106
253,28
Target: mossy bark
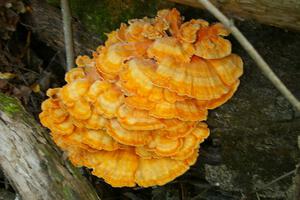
31,161
283,14
94,19
106,15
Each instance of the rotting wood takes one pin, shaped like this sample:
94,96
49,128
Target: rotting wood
31,161
46,22
283,14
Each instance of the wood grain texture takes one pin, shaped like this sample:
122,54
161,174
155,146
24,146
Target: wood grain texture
31,161
279,13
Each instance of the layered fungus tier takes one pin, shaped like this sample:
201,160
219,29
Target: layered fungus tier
134,112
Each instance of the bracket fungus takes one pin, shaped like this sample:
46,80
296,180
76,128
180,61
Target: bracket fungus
134,112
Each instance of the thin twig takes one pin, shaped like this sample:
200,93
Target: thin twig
276,180
257,196
67,23
261,63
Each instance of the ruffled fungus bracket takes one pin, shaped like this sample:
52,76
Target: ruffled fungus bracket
134,112
261,63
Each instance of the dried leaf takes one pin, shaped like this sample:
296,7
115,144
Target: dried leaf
7,75
35,87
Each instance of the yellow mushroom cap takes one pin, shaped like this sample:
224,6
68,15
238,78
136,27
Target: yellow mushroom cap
210,44
134,119
127,137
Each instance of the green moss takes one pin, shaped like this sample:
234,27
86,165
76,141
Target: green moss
55,3
103,16
106,15
9,105
13,108
69,193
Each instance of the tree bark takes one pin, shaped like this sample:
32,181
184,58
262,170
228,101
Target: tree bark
46,22
31,161
283,14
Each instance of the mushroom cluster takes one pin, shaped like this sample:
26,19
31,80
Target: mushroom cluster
134,112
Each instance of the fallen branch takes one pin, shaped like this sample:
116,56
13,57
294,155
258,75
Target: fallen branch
283,14
261,63
293,172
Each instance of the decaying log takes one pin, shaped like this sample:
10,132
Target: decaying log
46,22
283,14
31,161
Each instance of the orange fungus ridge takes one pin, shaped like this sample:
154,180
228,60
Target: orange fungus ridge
134,112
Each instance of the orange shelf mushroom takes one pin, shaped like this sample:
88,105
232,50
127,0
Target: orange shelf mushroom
134,112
